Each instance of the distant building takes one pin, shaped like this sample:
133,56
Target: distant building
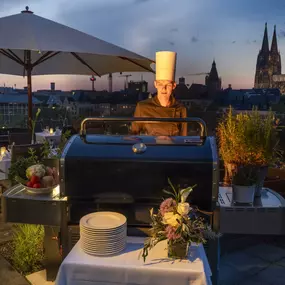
14,105
181,91
246,99
138,86
213,82
268,65
52,86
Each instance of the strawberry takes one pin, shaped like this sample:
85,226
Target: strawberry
35,179
30,184
37,185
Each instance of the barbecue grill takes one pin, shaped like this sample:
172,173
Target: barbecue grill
120,173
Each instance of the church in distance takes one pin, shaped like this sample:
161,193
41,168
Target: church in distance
268,66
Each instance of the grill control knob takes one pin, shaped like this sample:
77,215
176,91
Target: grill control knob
139,148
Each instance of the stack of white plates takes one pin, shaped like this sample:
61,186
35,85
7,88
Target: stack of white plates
103,233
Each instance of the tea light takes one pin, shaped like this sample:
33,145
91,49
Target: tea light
3,150
51,131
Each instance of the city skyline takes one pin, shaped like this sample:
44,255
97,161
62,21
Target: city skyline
230,33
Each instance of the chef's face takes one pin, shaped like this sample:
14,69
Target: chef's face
164,87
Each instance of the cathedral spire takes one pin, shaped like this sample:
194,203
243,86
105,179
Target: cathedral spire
265,44
274,47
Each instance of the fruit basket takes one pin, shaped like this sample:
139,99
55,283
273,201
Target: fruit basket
40,179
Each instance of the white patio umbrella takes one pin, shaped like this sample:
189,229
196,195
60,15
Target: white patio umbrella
32,45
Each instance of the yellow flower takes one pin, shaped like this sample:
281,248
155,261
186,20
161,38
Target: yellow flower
183,209
171,219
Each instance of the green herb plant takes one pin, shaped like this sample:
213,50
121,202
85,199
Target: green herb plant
17,171
28,251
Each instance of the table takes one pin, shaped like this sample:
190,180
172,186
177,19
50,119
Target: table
264,217
5,164
79,268
43,136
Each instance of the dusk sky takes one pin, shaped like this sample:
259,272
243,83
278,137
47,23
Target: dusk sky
229,31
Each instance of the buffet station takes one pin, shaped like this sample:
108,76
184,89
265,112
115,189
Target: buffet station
99,217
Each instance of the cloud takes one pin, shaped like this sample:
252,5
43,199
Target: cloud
174,30
281,34
194,39
140,1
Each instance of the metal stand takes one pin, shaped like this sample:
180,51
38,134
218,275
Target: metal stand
52,252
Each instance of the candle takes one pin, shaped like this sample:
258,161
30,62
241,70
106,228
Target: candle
51,131
3,150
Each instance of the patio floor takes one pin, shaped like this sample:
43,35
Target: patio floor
249,260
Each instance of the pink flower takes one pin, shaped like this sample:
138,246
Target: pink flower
167,206
170,233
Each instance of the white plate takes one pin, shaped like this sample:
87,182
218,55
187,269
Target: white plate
102,248
105,232
103,239
106,242
111,233
103,220
103,254
39,191
103,245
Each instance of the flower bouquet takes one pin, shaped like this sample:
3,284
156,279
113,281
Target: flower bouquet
177,223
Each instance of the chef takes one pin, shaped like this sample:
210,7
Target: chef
163,105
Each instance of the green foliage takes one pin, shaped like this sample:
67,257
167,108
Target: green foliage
248,138
45,149
64,138
246,176
17,171
28,244
178,193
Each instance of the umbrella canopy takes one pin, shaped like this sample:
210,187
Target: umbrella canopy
32,45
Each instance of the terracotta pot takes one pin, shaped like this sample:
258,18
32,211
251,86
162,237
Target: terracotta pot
178,250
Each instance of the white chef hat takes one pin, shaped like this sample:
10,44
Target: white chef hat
165,65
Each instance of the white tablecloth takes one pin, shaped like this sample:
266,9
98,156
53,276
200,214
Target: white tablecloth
79,268
5,164
41,137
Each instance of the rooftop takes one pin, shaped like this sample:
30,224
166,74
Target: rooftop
19,98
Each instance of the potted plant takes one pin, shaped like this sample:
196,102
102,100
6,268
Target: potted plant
177,223
248,139
244,184
229,146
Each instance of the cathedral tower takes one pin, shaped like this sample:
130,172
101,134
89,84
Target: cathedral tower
268,62
262,79
274,58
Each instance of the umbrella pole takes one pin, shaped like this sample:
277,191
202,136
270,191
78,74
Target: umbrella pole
29,82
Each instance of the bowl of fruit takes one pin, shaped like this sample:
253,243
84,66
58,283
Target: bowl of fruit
41,179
